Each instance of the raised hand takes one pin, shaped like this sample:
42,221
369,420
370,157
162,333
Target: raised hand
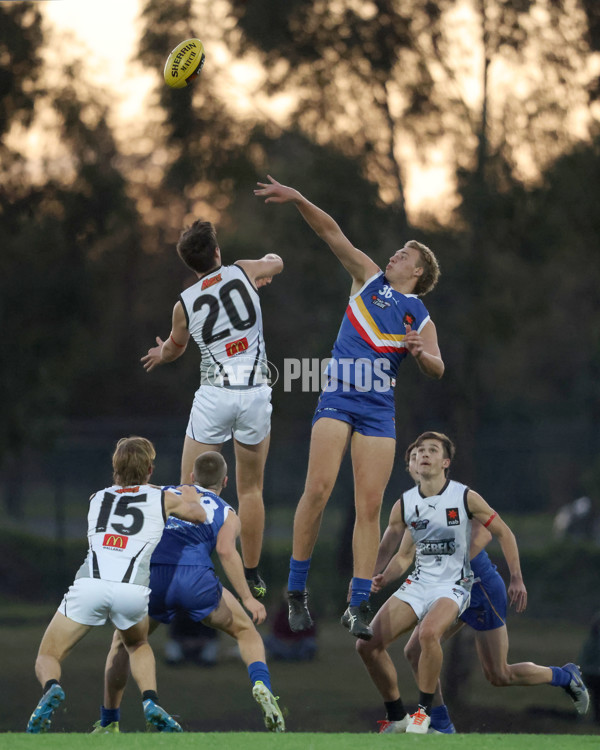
275,192
154,356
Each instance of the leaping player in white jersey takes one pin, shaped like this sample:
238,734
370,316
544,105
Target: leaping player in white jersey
221,312
438,515
125,523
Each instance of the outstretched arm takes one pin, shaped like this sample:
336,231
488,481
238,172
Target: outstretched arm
517,593
357,263
261,271
234,568
173,347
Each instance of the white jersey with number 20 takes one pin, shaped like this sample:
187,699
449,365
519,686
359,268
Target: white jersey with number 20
225,320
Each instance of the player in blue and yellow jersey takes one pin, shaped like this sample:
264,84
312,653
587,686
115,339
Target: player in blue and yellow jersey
385,320
183,579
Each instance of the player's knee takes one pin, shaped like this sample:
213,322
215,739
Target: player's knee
428,636
135,643
250,487
368,511
367,650
317,492
497,677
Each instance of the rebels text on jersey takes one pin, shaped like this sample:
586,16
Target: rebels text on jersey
224,318
124,526
440,526
371,336
186,543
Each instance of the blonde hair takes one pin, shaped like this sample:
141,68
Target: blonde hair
431,268
133,461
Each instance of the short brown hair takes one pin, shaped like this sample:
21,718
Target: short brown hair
197,245
431,268
447,444
133,461
407,453
210,469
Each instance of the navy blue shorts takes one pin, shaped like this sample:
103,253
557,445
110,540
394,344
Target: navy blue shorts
192,589
367,412
487,609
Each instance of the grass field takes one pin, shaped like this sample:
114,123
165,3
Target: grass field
330,695
299,741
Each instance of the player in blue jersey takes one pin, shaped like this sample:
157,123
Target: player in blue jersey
486,614
183,579
384,321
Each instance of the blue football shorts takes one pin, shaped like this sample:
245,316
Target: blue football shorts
192,589
487,610
369,413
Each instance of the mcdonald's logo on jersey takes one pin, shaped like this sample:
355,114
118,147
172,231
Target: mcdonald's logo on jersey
115,541
236,347
210,282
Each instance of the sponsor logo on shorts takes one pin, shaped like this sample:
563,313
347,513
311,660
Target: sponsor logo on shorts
236,347
452,517
210,282
115,541
437,547
420,524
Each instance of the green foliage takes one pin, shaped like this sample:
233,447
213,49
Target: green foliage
20,62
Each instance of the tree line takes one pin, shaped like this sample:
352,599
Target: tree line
89,271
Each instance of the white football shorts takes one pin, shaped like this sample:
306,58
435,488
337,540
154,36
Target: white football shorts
91,601
421,596
217,413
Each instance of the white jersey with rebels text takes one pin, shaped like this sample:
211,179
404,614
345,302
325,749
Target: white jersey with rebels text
124,526
441,529
225,320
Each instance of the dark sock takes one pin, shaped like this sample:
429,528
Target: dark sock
560,677
251,572
49,684
259,671
298,574
394,710
150,695
361,588
425,701
108,715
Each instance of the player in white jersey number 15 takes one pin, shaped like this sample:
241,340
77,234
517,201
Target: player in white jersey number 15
125,523
222,313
